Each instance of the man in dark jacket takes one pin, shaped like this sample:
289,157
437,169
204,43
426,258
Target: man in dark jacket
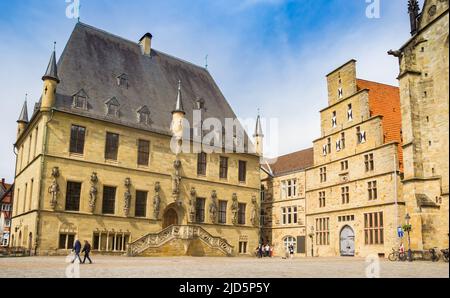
87,251
77,249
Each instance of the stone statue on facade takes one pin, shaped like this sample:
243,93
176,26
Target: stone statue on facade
93,192
53,190
176,180
157,201
192,203
235,209
213,207
254,214
127,197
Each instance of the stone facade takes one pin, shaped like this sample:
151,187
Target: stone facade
424,89
42,221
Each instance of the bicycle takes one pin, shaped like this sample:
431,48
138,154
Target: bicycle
445,255
396,255
434,254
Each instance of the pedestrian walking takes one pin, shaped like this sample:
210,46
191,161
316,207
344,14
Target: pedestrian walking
267,250
87,251
260,251
291,251
77,250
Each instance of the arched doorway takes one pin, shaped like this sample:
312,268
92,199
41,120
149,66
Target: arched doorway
347,242
170,218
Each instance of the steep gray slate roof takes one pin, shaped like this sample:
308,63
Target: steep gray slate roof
93,60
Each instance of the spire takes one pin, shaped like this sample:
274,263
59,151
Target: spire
52,68
258,130
413,10
24,113
179,105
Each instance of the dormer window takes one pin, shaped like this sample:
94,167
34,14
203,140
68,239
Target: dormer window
144,115
350,113
122,81
79,100
334,120
340,92
112,107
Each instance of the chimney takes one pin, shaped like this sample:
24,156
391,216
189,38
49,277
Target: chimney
146,44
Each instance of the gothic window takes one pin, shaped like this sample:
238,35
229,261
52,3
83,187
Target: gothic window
112,107
122,81
334,120
79,100
350,113
323,231
144,115
374,228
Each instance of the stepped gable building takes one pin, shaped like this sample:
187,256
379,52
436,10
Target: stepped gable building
95,159
283,214
424,95
353,191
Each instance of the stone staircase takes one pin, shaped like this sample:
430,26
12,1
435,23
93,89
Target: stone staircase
176,232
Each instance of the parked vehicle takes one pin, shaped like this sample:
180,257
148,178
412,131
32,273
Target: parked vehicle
397,255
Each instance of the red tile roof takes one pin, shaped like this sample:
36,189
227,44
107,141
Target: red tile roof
296,161
384,100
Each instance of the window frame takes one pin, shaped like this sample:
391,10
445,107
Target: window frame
141,204
111,209
202,164
109,143
143,152
242,171
77,139
73,199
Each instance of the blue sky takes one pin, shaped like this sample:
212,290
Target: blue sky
267,54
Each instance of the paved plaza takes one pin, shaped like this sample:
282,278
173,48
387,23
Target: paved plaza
115,267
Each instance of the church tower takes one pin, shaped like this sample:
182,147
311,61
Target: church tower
51,81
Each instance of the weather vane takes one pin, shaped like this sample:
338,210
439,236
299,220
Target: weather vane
206,62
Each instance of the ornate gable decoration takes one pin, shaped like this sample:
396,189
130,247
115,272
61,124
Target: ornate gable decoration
80,100
144,115
112,107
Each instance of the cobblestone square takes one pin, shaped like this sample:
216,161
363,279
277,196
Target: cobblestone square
123,267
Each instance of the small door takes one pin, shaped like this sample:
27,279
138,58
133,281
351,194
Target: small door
301,244
347,242
170,218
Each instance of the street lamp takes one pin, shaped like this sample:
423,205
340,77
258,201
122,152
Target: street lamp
311,235
407,228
